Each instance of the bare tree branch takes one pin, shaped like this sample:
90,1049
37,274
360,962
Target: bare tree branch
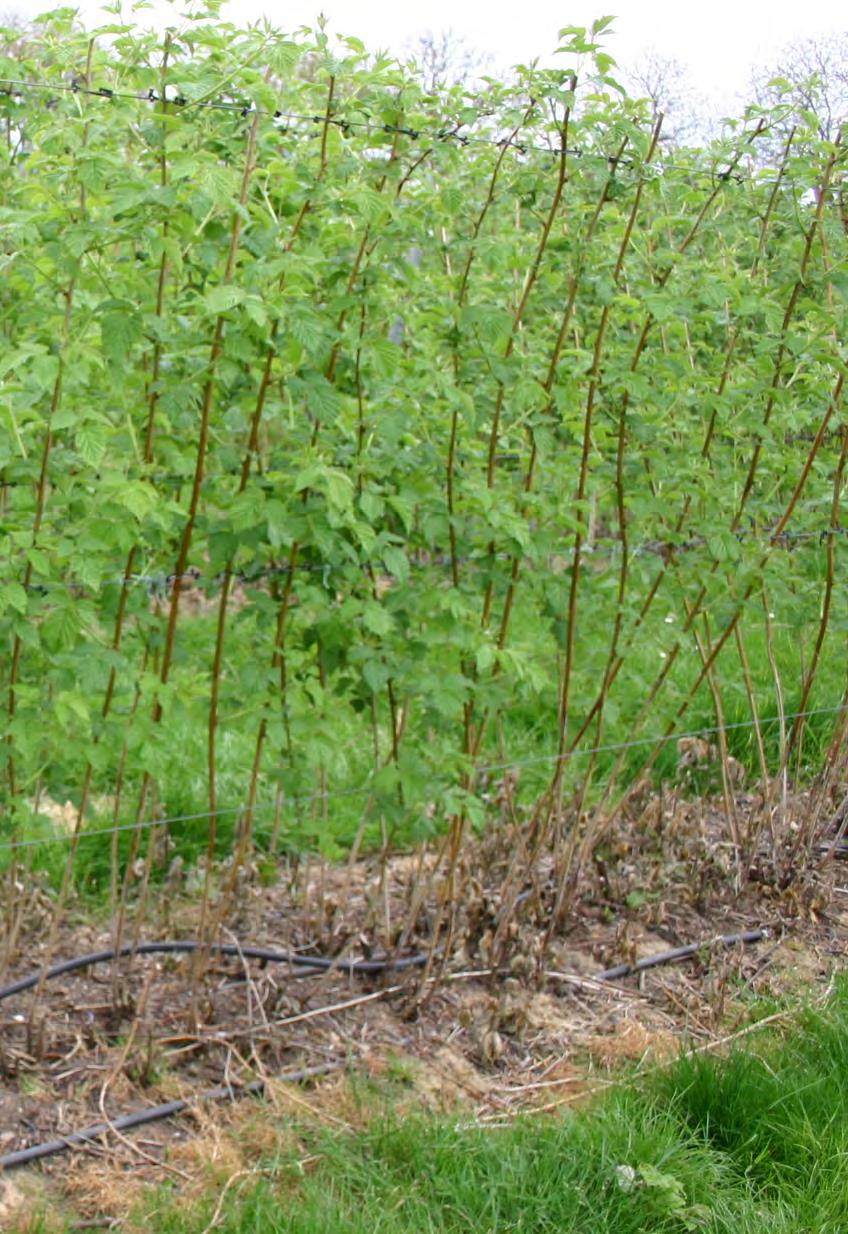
810,79
447,59
666,84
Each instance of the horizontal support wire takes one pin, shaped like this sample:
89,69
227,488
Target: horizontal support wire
366,788
14,89
445,132
159,584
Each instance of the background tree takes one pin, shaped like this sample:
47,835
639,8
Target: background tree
445,58
805,93
17,36
666,83
809,80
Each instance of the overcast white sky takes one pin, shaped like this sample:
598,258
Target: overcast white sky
719,40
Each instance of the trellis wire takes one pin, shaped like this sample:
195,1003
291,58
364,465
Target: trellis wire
364,789
14,88
160,583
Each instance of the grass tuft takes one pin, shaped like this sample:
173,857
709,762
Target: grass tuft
755,1143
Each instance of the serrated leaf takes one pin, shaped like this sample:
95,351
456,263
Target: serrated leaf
338,487
283,57
376,619
396,562
454,199
66,417
223,298
371,505
120,330
39,561
73,705
839,282
322,398
403,506
89,573
15,361
218,183
386,355
138,497
601,23
492,324
307,477
13,595
724,546
256,310
485,657
90,442
368,204
305,328
60,628
45,369
276,515
375,674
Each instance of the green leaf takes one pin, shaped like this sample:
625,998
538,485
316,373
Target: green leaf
371,505
139,497
386,355
338,487
72,709
376,619
662,1181
453,198
15,360
13,595
724,546
396,562
486,656
322,398
222,299
120,330
375,674
61,627
306,328
277,517
369,204
39,561
256,310
219,184
90,441
493,324
839,281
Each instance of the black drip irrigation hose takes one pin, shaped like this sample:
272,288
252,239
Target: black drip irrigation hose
680,953
226,1092
301,965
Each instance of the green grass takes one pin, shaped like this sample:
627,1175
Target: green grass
753,1144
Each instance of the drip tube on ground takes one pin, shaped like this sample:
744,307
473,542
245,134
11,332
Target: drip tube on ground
225,1092
300,965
